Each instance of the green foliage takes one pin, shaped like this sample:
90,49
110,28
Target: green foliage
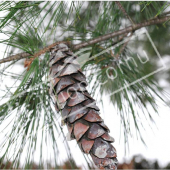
32,116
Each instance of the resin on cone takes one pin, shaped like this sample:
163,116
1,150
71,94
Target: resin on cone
78,109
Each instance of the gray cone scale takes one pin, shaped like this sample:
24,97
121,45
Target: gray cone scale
78,108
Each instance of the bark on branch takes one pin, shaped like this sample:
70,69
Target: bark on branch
90,42
25,55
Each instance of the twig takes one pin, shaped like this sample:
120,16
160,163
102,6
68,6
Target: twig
161,15
120,39
90,42
123,47
124,11
120,51
165,13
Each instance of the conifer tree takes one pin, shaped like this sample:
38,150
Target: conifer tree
39,39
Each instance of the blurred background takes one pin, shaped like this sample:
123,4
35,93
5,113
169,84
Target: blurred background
133,96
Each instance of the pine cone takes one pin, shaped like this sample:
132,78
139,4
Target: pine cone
78,108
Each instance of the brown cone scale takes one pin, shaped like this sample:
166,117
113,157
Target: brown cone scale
78,108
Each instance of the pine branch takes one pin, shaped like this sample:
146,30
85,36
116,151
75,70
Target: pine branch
25,55
90,42
15,57
165,13
122,31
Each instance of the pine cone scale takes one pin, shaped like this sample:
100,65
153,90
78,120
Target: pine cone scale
87,145
80,129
